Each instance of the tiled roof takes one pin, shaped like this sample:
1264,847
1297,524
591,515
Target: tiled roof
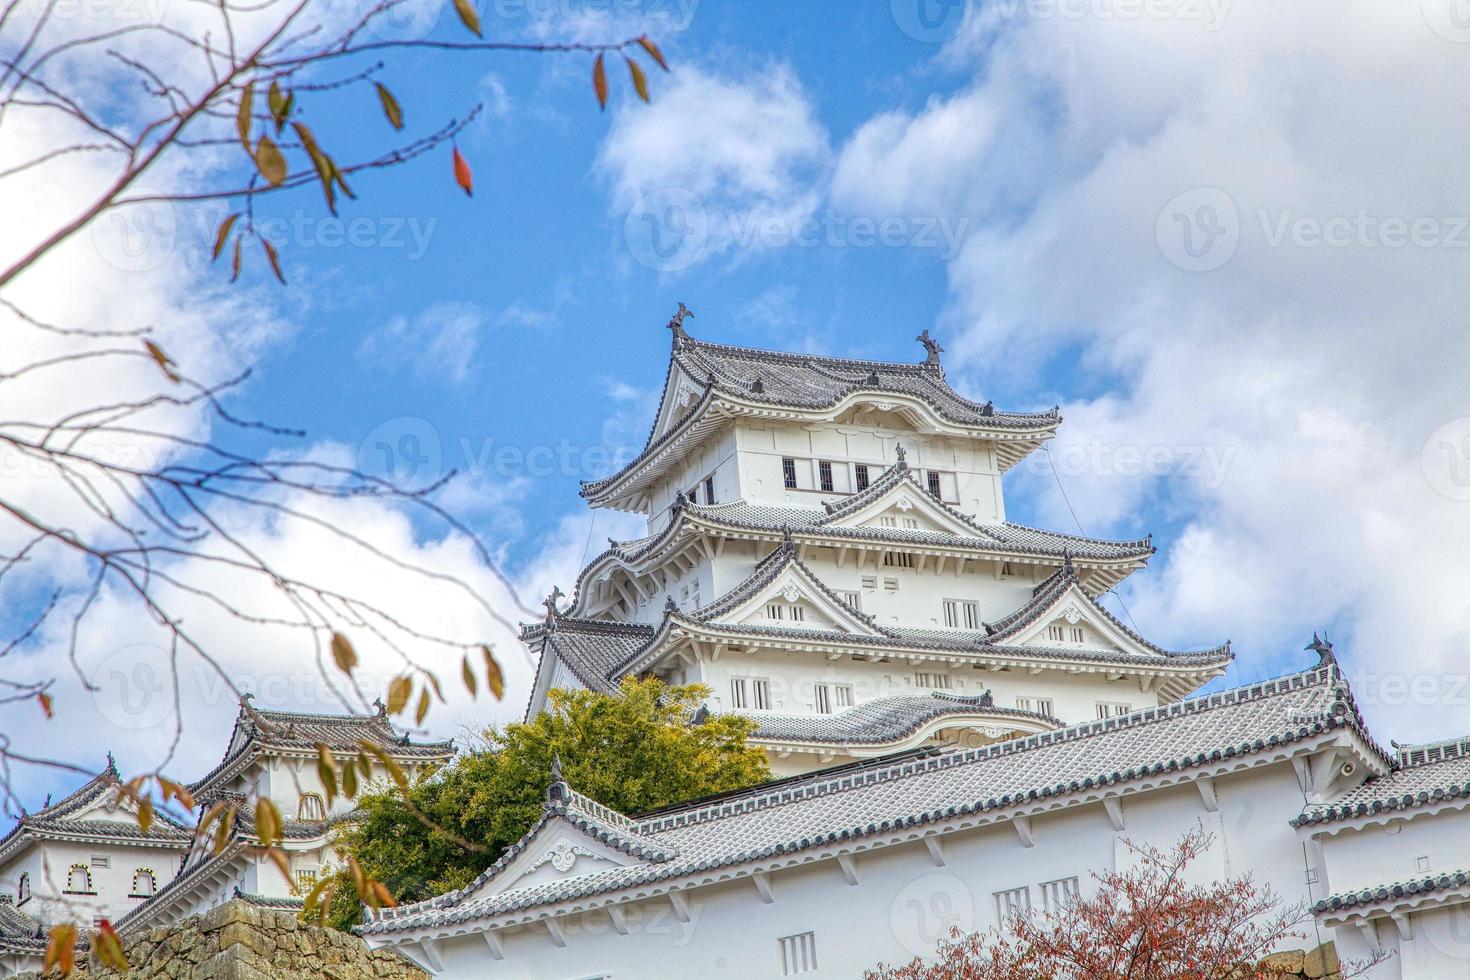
883,720
269,901
258,727
765,572
1426,886
59,817
19,932
1422,775
809,381
805,381
883,797
591,648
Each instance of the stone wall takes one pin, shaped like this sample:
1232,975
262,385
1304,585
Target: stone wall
1313,964
240,941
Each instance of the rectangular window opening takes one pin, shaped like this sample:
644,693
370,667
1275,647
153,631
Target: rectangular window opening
788,472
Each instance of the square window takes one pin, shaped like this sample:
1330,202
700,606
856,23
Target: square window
1421,863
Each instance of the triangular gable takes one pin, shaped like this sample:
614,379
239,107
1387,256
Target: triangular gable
800,598
1067,607
554,850
681,393
906,506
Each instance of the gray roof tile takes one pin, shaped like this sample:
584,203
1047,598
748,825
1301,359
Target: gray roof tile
1422,775
1424,886
862,801
882,720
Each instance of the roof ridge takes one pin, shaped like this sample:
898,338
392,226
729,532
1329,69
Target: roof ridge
880,770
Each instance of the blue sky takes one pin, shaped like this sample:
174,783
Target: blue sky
1227,238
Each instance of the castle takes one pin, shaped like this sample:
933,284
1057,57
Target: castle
962,730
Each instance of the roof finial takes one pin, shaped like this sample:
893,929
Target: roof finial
679,501
987,700
873,380
987,410
670,606
757,386
111,762
676,324
903,457
558,791
379,708
931,347
1067,562
787,544
550,603
1323,647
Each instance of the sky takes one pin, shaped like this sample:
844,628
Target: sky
1229,239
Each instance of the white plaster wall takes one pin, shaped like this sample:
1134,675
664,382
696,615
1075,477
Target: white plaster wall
113,884
903,902
1388,852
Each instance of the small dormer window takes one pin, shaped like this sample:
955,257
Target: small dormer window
311,807
79,880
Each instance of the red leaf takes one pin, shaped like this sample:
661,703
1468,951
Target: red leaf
462,175
46,703
599,81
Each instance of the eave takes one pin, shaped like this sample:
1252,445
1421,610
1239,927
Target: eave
626,489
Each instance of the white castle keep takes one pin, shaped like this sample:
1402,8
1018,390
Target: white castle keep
964,730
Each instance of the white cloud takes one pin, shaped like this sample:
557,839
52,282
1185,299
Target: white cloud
713,160
1314,373
440,342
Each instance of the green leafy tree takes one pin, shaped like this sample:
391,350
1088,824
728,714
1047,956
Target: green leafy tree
634,750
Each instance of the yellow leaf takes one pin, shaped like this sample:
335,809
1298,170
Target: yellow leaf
640,82
653,52
398,692
434,683
391,108
267,822
393,768
359,880
423,709
107,947
46,702
145,816
280,104
326,770
223,235
469,15
381,893
269,162
469,676
365,767
349,780
242,118
165,363
235,265
273,258
343,653
320,161
494,676
61,949
599,81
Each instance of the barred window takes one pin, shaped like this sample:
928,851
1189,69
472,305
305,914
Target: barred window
860,476
788,472
1057,895
824,474
1013,901
798,953
962,613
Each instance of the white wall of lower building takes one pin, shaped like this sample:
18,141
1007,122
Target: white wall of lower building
903,902
49,870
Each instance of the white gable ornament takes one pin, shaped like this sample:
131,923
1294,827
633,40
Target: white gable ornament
791,593
1072,614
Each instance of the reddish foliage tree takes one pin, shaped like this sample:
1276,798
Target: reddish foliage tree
1144,923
